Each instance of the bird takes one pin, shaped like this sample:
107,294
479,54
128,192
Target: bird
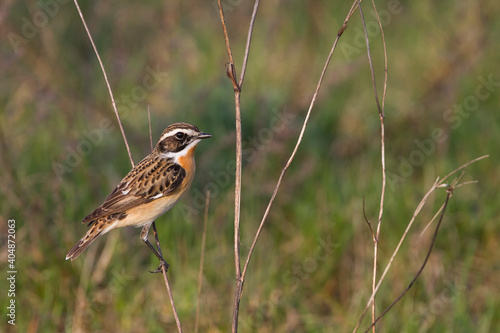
149,190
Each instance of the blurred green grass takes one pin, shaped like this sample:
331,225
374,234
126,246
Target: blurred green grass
311,270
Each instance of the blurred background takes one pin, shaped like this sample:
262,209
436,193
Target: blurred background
62,153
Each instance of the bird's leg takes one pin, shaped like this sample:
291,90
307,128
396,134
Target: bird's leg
144,237
162,261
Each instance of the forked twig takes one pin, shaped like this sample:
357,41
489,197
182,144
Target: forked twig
449,193
107,82
231,73
437,184
374,237
454,187
382,137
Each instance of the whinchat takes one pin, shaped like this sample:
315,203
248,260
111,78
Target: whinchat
150,189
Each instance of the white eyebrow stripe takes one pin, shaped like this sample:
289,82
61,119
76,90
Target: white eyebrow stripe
188,131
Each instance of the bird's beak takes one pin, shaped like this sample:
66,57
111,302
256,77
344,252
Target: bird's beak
204,135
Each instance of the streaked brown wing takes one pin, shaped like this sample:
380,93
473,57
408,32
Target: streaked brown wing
150,178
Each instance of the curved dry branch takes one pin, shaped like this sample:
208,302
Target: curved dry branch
299,140
164,270
113,103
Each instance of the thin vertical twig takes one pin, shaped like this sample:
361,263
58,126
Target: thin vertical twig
170,296
372,71
231,73
202,261
107,82
165,278
237,203
382,139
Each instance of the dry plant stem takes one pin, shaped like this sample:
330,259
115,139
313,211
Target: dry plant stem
231,73
237,192
381,211
432,220
437,213
416,212
169,291
240,276
382,139
437,184
249,39
224,28
368,221
128,151
202,260
299,140
107,83
385,57
237,200
433,241
165,278
370,60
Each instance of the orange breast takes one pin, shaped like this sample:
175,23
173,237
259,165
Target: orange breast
188,164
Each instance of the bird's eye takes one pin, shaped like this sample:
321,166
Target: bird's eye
180,135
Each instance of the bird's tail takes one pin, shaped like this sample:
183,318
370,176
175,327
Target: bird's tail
97,229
